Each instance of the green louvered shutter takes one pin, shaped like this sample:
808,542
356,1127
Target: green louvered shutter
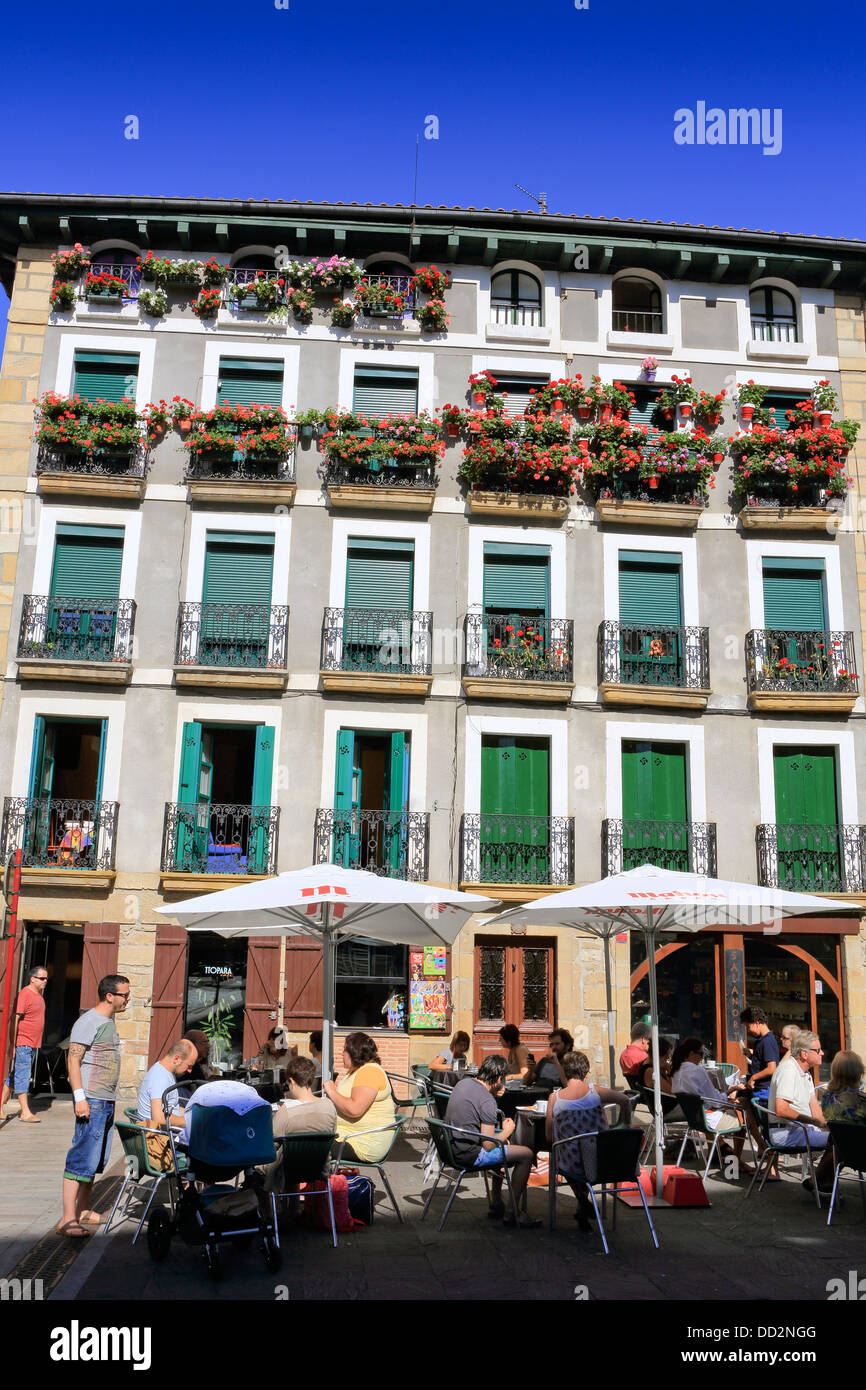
517,579
805,786
643,410
87,561
106,376
517,389
515,806
654,789
794,595
238,569
383,391
650,588
379,574
245,382
779,402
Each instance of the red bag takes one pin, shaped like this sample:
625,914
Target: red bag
316,1213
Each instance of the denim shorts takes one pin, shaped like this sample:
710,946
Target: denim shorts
92,1142
18,1079
489,1158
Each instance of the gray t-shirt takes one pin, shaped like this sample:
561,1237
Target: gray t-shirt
100,1065
471,1106
156,1082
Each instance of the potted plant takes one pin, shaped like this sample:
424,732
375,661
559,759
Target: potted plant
182,275
377,299
823,404
709,407
433,315
482,385
299,301
153,302
213,273
104,288
62,296
154,268
452,419
182,412
324,277
68,265
649,367
156,418
309,423
429,279
263,293
750,398
343,313
206,304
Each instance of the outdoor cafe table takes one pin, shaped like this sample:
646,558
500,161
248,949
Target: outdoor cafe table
529,1129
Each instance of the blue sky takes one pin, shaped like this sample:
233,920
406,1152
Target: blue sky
324,103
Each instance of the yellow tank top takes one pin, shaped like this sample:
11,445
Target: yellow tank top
381,1112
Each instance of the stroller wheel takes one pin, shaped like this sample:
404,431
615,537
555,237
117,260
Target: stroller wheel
214,1262
159,1234
273,1255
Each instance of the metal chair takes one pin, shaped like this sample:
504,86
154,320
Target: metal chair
305,1159
698,1128
374,1163
773,1150
143,1180
610,1161
411,1103
671,1114
849,1145
441,1134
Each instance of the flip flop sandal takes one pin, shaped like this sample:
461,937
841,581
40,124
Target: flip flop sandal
30,1119
91,1218
78,1234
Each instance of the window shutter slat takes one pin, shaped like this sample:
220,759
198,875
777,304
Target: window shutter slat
516,584
794,600
247,383
87,567
238,574
105,376
650,593
379,579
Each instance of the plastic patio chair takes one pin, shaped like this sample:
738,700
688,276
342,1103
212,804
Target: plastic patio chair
849,1145
374,1163
698,1128
411,1103
771,1149
441,1134
143,1180
305,1159
610,1161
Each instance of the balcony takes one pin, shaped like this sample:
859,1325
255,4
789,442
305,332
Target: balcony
829,859
73,474
639,330
217,844
256,481
682,846
392,844
674,502
232,645
511,658
399,487
776,340
641,664
516,321
76,639
64,843
514,857
376,651
805,672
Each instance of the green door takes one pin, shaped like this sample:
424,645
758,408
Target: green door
397,846
377,630
807,817
515,810
194,798
347,801
236,598
655,814
260,817
87,565
105,376
650,615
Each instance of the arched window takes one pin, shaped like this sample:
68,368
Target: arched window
116,260
245,269
637,306
515,297
774,315
392,273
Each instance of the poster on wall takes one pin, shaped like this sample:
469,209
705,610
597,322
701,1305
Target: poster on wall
428,993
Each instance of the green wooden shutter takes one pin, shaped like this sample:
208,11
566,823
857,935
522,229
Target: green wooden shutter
515,788
517,579
517,389
396,846
794,595
655,788
347,801
379,574
106,376
779,402
37,829
193,796
243,382
650,589
383,391
190,764
238,568
262,779
87,561
805,786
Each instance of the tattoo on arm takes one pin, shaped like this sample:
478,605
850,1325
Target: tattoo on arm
76,1052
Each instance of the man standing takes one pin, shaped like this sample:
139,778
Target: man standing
94,1071
26,1039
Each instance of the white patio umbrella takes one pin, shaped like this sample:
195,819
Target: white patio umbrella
655,902
329,902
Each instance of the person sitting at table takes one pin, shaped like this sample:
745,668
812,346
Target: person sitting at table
785,1037
156,1084
842,1098
631,1057
444,1060
275,1052
517,1056
472,1106
692,1078
301,1113
578,1108
645,1076
363,1101
549,1071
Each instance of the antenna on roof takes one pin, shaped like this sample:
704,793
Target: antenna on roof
540,199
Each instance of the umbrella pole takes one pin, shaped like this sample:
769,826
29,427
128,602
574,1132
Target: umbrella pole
611,1020
654,1020
328,948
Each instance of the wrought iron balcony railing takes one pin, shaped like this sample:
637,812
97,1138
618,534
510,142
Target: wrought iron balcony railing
637,321
248,469
248,635
812,858
220,838
76,629
393,844
377,639
397,284
653,654
774,330
397,474
129,274
60,834
125,463
683,846
820,662
530,850
519,647
522,315
238,277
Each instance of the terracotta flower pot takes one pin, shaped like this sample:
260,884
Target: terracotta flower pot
668,412
453,430
605,414
823,419
653,480
584,411
686,409
184,426
158,430
714,418
478,399
747,411
557,405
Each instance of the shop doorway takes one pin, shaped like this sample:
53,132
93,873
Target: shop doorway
513,984
216,994
59,949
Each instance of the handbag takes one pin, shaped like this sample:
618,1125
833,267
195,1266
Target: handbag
316,1214
361,1194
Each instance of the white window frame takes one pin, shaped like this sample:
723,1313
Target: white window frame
218,348
554,540
799,550
686,548
503,362
350,358
70,343
264,524
549,296
64,707
376,722
129,522
846,777
691,735
416,531
209,713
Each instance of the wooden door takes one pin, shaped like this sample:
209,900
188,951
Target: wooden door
302,1001
101,944
262,991
514,983
169,982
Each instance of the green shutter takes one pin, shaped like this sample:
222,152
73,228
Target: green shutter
805,782
257,862
515,776
779,402
654,783
87,565
650,589
379,574
383,391
238,573
347,800
396,841
106,376
243,382
42,758
794,598
193,795
190,764
517,582
516,389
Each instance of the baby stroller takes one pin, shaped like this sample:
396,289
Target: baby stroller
222,1144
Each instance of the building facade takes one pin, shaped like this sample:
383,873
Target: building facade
232,660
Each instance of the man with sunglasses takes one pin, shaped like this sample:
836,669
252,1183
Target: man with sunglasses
94,1071
26,1040
792,1097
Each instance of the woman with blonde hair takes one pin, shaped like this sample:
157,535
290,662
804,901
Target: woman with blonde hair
842,1097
